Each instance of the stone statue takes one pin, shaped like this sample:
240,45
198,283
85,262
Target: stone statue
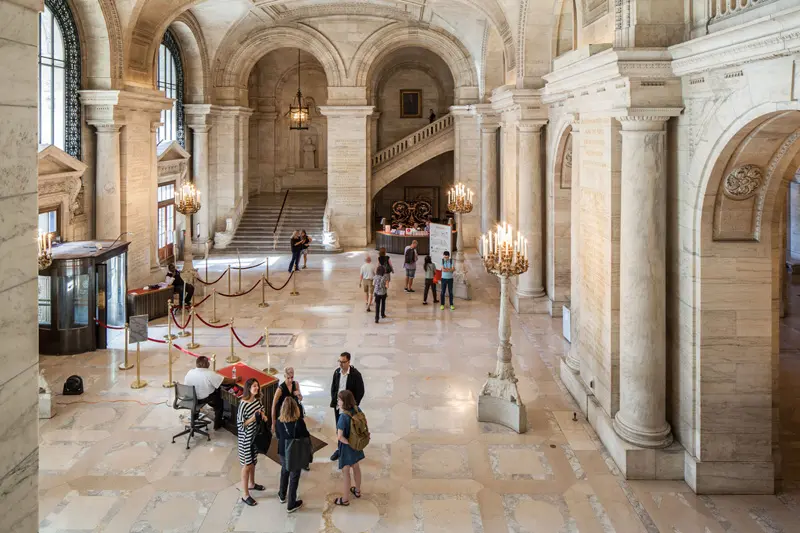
47,404
223,238
329,238
309,154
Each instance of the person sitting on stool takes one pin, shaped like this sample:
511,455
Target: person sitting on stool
206,385
174,278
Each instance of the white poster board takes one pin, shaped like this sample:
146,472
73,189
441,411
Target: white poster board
440,242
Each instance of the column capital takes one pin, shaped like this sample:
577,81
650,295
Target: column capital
200,128
530,126
105,126
347,111
154,126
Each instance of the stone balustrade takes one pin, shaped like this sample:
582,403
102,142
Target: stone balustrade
434,128
722,9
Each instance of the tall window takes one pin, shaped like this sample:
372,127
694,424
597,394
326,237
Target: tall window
59,76
169,78
166,220
48,220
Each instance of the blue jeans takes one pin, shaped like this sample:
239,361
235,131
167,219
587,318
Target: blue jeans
294,264
447,286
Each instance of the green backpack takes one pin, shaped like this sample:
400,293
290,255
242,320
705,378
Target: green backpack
359,432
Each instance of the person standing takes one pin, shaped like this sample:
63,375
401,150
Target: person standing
207,385
290,426
306,243
410,264
447,279
185,291
348,456
430,274
296,244
365,280
288,389
432,117
380,285
346,377
250,409
385,262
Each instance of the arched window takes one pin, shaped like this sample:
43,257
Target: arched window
169,78
59,77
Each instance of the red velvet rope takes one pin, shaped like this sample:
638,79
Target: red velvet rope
176,322
248,268
185,350
243,294
159,341
201,301
282,286
261,338
211,325
215,281
107,326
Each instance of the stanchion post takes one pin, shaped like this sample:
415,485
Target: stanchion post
183,332
169,383
269,370
232,358
294,285
125,365
239,272
229,279
138,384
214,318
214,362
169,334
192,345
267,268
263,303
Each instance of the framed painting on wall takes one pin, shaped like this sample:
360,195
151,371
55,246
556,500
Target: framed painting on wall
410,103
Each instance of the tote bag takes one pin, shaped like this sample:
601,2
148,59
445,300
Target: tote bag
437,276
298,453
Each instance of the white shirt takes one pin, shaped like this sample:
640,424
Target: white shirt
204,380
343,380
367,272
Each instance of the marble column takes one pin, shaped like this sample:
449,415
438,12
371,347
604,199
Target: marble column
488,175
572,358
530,286
200,173
641,419
108,194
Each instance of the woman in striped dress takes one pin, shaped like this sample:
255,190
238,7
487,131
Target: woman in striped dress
249,409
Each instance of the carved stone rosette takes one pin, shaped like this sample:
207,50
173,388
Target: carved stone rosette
743,182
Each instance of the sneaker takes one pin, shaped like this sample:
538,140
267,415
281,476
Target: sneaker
376,320
335,455
406,289
441,307
297,506
452,307
411,290
369,310
424,303
281,499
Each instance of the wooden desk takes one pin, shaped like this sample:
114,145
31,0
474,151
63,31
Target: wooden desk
232,396
396,244
152,302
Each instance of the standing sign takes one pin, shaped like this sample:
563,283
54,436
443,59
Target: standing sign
441,240
137,328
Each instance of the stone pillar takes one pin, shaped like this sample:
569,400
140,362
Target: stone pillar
467,170
488,192
530,296
572,358
641,419
373,132
108,193
19,359
348,173
200,173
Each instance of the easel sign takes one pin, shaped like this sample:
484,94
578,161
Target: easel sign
440,242
138,328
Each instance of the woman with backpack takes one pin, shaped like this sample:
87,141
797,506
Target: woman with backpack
386,263
353,436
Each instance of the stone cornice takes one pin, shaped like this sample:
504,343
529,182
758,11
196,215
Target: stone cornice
231,111
774,35
463,110
355,111
525,103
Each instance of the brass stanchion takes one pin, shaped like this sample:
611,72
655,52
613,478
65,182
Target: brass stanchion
229,279
267,267
183,332
192,345
269,370
169,334
138,384
239,273
125,365
294,285
232,358
214,318
263,293
169,383
214,362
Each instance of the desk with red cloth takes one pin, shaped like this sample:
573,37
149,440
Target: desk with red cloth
151,302
231,396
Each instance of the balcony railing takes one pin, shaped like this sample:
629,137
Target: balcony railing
723,9
431,130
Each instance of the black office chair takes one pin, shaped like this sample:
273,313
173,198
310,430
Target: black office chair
186,398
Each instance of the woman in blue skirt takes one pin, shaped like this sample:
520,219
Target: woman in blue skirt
348,457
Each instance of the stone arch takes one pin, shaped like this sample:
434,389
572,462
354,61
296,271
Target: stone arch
305,66
238,57
558,213
535,26
399,35
189,35
565,31
101,43
735,266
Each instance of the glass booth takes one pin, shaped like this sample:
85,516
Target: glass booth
84,282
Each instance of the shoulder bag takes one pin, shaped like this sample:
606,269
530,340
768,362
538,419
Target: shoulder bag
298,453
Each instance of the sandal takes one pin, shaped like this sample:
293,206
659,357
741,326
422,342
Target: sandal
355,492
256,486
340,501
250,501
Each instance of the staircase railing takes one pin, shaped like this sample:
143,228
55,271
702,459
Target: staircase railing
434,128
280,214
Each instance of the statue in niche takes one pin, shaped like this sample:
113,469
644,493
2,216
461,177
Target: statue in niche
309,154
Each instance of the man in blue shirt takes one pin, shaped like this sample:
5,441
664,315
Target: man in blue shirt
447,279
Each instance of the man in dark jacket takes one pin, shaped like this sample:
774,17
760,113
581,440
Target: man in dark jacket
346,377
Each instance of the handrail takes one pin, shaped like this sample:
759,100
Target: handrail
285,196
434,128
721,9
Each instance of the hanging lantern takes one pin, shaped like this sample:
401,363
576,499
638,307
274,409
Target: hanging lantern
298,110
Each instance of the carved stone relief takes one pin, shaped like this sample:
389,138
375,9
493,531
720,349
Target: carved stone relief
743,182
736,210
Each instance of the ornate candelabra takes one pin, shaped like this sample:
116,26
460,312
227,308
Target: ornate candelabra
187,203
499,400
459,201
45,244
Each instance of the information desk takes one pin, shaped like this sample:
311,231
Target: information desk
231,396
396,244
152,302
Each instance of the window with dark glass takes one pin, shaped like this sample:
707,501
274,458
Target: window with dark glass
166,220
169,78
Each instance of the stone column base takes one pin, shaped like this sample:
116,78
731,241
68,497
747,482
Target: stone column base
499,403
722,477
526,304
462,289
555,307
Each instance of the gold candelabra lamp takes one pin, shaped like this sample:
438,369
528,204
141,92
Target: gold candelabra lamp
187,199
45,245
502,255
459,199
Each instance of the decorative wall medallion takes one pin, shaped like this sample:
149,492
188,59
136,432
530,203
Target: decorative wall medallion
743,182
568,158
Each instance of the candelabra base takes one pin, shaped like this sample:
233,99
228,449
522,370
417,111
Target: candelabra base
499,402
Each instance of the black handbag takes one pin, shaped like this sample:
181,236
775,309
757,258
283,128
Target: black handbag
298,453
73,386
263,437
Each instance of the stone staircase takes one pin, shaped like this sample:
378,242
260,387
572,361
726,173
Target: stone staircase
255,235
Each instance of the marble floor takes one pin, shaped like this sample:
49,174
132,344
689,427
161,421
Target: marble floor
107,463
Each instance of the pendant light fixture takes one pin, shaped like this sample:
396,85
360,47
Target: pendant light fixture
298,110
